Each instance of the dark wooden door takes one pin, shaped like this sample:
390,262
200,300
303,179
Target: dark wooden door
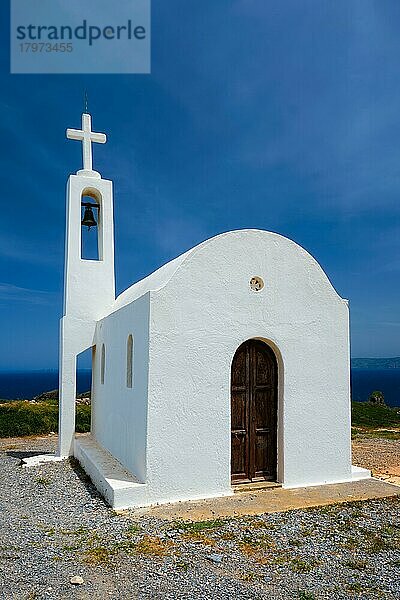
254,384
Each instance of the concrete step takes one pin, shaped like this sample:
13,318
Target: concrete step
255,485
117,485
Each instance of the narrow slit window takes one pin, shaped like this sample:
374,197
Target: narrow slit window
129,362
102,364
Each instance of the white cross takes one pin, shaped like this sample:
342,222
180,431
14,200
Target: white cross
87,136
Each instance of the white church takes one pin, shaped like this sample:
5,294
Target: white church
228,365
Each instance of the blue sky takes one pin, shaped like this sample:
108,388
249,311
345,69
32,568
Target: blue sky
278,115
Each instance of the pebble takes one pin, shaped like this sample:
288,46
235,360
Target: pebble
215,558
49,532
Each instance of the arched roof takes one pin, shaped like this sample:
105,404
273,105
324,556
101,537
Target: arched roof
159,278
154,281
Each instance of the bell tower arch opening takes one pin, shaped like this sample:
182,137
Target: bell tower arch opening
91,225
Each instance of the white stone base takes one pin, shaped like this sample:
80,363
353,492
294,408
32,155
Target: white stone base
122,490
119,487
40,459
359,473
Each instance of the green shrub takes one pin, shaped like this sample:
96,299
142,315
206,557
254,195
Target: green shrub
23,418
365,414
83,414
376,397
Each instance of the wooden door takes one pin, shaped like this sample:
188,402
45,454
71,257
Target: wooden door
254,384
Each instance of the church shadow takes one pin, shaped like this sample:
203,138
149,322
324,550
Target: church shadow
75,466
84,478
24,454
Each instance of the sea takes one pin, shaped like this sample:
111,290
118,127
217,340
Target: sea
28,384
25,385
365,381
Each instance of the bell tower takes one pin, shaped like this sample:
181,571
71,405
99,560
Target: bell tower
89,284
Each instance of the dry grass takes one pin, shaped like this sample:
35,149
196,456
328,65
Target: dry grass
199,538
257,524
98,555
252,552
152,546
262,549
228,535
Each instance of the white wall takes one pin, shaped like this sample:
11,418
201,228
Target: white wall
89,293
89,290
199,319
119,421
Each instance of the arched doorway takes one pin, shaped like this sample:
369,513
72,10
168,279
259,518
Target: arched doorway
254,400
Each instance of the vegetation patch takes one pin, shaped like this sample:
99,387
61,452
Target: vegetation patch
228,536
97,550
304,595
78,531
299,565
255,523
193,526
396,563
263,549
199,538
372,542
98,555
372,416
375,542
370,434
358,564
44,481
264,542
133,529
356,587
254,552
22,418
152,546
350,543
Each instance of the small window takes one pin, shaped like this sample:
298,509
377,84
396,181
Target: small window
103,363
129,362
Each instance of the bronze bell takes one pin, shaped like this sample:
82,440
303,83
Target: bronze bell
88,218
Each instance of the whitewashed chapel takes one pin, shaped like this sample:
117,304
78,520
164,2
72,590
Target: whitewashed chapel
229,364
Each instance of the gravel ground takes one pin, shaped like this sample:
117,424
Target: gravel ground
382,457
55,526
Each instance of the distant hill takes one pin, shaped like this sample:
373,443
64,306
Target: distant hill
376,363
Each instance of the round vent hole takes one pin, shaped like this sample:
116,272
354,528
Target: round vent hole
256,284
